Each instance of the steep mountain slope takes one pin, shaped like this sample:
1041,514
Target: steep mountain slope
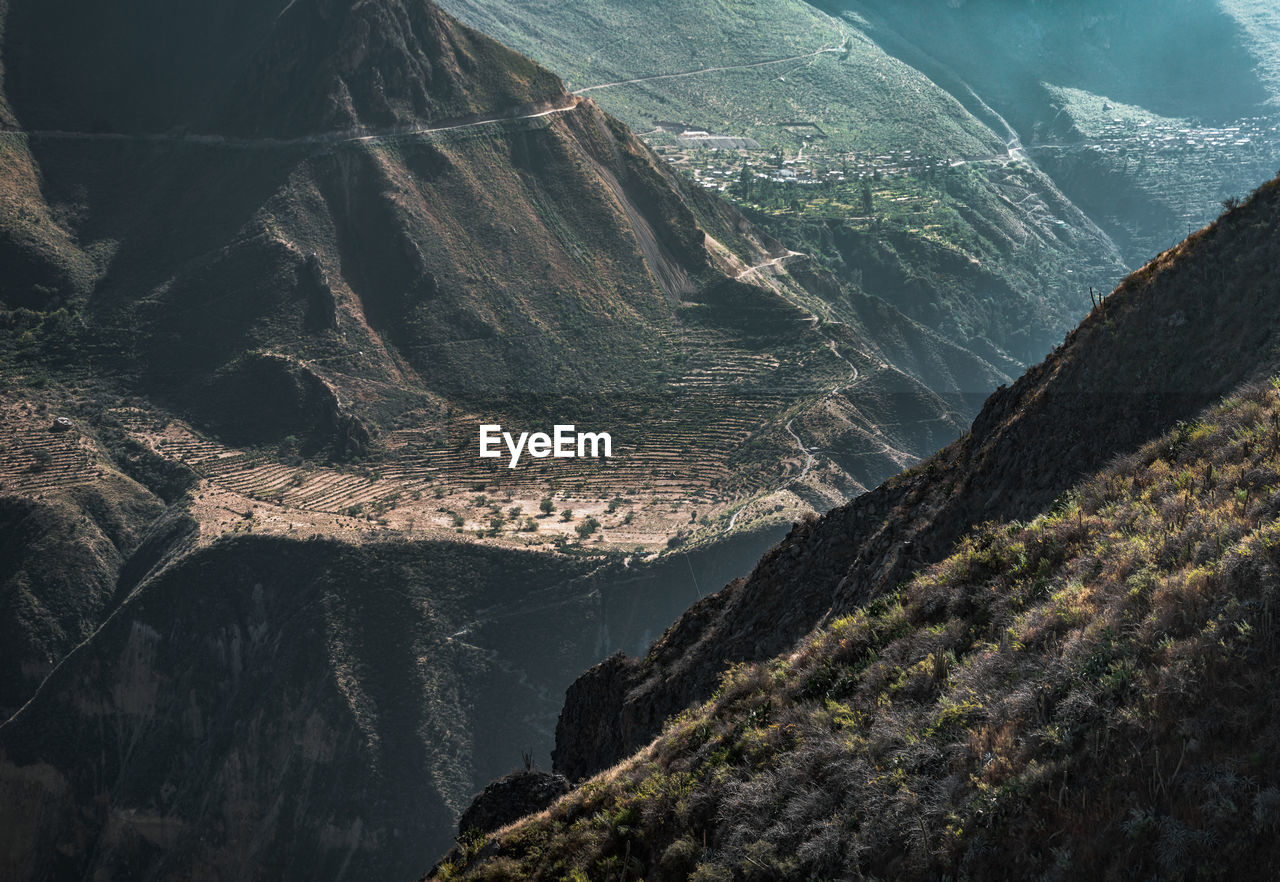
276,69
266,708
838,149
1186,329
696,67
62,557
1088,695
1190,63
1260,21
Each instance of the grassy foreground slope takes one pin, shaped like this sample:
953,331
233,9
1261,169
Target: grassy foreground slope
1087,694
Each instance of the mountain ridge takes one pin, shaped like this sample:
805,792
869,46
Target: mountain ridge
391,63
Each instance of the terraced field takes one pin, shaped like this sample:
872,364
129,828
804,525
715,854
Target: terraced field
35,458
711,442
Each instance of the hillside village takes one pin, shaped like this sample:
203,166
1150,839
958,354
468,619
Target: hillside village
719,161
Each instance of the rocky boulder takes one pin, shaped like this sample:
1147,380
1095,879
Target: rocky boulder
510,798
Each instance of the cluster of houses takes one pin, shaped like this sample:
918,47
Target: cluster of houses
719,169
1156,136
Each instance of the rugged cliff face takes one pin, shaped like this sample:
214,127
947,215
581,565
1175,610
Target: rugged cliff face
1183,331
265,708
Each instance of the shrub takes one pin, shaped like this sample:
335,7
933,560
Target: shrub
679,861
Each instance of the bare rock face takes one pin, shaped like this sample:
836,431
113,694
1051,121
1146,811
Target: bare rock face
587,729
510,798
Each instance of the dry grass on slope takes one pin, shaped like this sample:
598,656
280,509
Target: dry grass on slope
1088,695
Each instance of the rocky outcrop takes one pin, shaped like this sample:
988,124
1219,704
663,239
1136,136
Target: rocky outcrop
1180,333
510,798
264,398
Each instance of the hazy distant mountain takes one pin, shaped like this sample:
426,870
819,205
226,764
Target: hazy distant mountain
1145,115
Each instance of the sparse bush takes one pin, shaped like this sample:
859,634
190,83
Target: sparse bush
712,872
679,860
